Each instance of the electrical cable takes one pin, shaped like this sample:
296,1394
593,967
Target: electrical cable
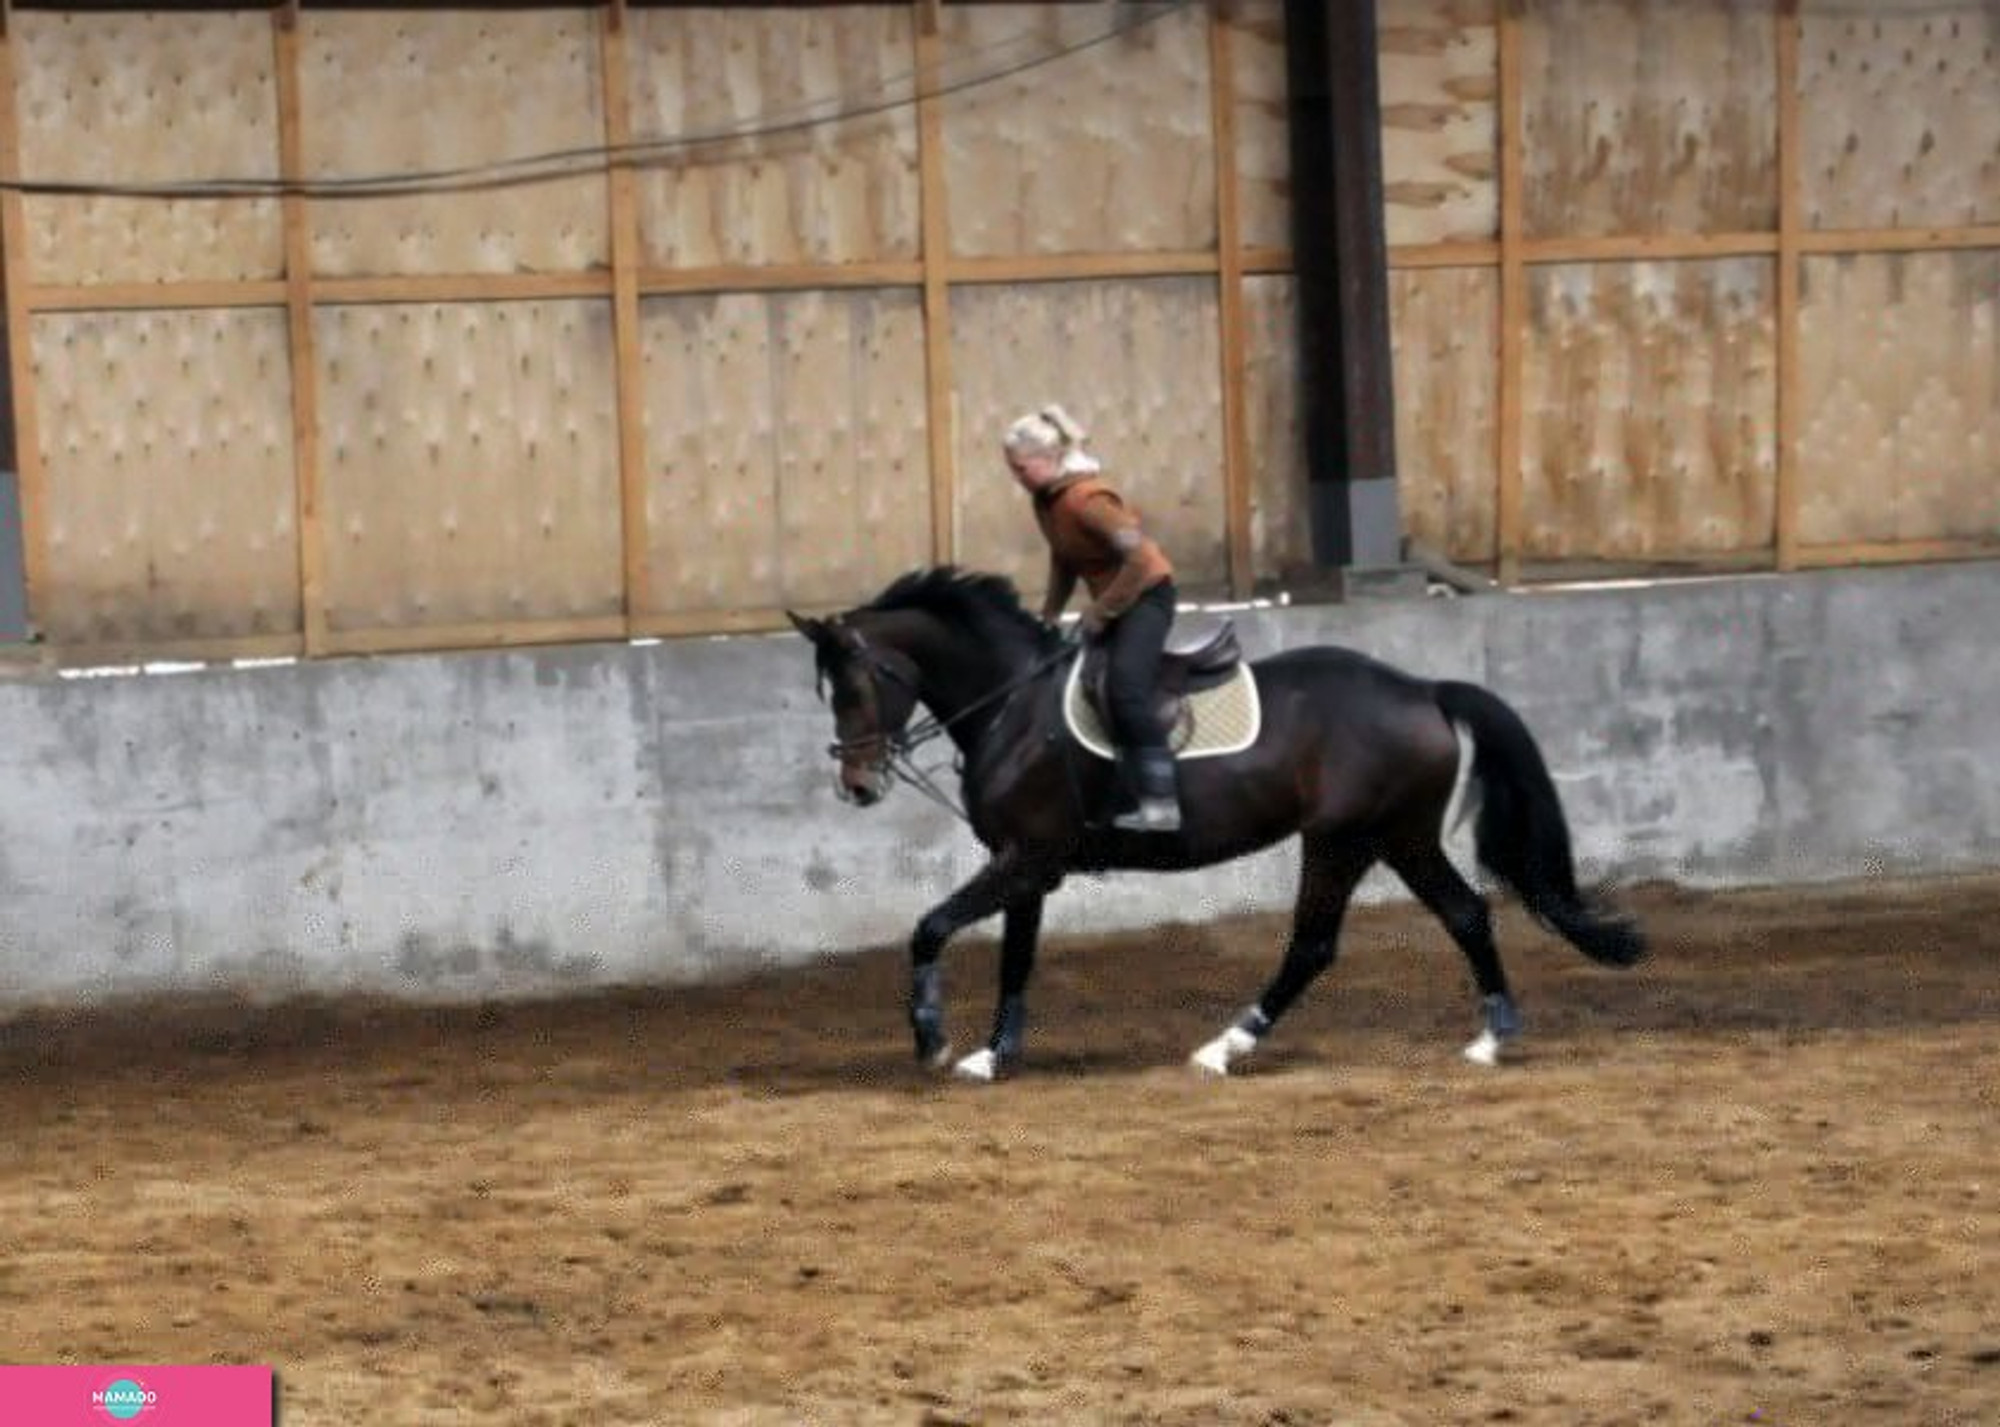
584,161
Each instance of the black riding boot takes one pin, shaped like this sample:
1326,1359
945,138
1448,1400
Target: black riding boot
1152,775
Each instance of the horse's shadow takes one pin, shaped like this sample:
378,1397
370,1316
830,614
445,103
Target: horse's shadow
1782,965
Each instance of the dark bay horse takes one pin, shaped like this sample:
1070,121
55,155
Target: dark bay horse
1363,761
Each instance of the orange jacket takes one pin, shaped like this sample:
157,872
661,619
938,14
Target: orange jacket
1083,520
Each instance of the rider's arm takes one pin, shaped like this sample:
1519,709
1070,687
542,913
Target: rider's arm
1062,584
1139,557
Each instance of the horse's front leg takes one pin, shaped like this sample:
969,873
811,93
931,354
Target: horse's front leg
1010,1018
1005,882
978,899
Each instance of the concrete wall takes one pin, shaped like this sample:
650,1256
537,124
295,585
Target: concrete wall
478,824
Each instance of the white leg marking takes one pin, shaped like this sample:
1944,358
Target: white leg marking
981,1065
1232,1044
1485,1050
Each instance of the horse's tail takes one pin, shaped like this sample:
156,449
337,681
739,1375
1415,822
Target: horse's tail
1520,831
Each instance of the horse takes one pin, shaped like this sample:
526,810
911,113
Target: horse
1364,762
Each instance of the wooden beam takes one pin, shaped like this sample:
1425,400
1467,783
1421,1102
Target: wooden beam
1896,552
20,347
1899,240
157,296
526,286
674,624
1658,566
299,321
464,287
1229,306
935,218
1642,247
476,636
177,651
1513,300
626,333
1055,267
780,277
1785,500
1445,255
1063,267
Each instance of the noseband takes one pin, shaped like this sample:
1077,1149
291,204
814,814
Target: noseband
891,745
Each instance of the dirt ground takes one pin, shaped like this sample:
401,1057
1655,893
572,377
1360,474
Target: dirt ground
1752,1181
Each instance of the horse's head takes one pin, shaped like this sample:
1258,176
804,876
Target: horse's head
874,693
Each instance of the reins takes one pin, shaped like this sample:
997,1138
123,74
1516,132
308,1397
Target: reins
899,747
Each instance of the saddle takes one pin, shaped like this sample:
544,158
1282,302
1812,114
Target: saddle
1191,664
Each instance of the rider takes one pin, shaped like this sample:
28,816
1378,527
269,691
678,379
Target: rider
1093,534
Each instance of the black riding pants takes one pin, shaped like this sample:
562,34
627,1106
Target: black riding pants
1135,641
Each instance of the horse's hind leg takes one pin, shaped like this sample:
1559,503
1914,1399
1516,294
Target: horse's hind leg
1431,878
1330,869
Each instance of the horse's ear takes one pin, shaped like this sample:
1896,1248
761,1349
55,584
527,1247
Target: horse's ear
813,629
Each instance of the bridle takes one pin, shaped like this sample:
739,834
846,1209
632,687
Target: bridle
895,751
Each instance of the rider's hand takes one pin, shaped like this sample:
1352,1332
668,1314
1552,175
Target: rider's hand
1093,622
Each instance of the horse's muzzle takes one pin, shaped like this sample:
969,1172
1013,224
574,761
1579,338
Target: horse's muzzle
863,788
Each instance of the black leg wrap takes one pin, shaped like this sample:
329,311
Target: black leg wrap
1503,1017
1009,1027
927,1011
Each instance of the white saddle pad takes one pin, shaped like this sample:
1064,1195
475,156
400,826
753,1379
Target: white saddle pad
1224,719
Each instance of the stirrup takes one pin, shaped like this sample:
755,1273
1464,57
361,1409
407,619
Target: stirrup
1152,815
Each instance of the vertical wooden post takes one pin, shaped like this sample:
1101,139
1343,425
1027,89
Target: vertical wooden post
20,344
299,314
1785,500
629,358
1513,299
1340,257
936,241
1229,292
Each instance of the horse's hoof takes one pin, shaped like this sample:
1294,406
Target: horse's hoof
982,1066
935,1059
1484,1051
1211,1061
1216,1057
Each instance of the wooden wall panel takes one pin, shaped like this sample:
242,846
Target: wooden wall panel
1280,525
823,193
1649,116
468,464
403,91
1900,390
1440,120
711,451
1106,149
1444,330
1900,113
787,450
1263,138
147,98
1649,401
1135,362
167,441
854,506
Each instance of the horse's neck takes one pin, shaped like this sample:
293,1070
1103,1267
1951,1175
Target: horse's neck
964,680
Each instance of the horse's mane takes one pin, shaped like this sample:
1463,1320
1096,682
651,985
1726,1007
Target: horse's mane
983,604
